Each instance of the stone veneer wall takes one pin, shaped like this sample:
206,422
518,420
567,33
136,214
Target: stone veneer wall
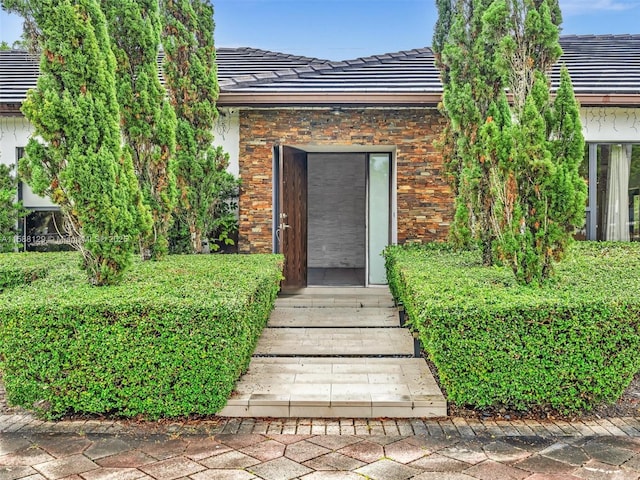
425,204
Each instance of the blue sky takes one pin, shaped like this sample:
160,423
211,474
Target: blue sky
342,29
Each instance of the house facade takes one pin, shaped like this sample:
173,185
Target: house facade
337,159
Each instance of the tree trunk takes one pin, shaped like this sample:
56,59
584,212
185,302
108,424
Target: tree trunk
196,239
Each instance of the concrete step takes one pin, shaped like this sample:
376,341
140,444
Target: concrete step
336,353
335,341
330,301
325,297
339,317
337,388
339,291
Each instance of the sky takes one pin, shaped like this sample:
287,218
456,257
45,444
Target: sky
344,29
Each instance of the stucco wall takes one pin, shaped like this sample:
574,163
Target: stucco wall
611,124
424,202
15,132
227,135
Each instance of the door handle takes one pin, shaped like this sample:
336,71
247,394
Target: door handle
281,228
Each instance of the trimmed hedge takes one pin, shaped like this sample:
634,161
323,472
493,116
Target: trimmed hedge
171,340
571,344
22,268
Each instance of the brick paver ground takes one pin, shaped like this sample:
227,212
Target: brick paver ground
318,449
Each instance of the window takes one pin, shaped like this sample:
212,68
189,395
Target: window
613,209
44,232
379,226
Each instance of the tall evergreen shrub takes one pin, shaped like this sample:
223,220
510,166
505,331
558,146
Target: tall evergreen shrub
75,156
191,76
148,122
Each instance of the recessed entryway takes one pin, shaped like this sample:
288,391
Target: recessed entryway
336,209
333,215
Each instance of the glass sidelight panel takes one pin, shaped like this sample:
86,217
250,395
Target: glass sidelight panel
379,210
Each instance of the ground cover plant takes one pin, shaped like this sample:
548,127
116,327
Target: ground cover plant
570,344
170,340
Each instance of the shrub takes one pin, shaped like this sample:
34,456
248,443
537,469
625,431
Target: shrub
571,344
171,340
20,269
74,155
205,186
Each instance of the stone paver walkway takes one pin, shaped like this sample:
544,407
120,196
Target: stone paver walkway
336,353
271,456
318,449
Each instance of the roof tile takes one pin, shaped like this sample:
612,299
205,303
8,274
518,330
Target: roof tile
600,64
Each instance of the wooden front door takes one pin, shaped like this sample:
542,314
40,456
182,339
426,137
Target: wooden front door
292,216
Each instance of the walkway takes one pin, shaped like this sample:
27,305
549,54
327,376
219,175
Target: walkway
272,456
317,449
336,353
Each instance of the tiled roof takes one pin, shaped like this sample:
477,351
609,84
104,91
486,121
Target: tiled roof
19,70
603,65
407,71
251,64
18,73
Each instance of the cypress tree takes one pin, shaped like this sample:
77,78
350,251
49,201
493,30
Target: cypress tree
569,193
79,162
466,60
547,195
527,32
191,79
551,194
515,171
495,137
148,121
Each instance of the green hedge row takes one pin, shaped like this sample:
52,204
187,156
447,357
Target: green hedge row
171,340
570,345
22,268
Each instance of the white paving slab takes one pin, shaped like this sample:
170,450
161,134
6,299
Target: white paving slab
334,317
336,353
330,301
324,297
315,388
381,291
335,341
